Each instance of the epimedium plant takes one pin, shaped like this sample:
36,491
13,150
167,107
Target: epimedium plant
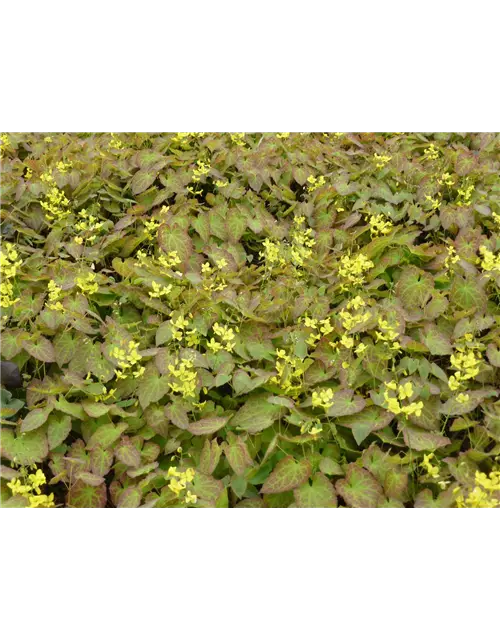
251,320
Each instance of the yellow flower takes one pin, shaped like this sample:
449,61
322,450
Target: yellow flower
381,160
405,391
393,405
347,342
322,398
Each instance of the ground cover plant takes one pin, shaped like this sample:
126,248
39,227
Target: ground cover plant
251,320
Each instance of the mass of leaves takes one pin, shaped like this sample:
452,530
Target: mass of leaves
252,320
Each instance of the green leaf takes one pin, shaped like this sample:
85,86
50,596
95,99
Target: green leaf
236,224
422,440
95,409
207,426
176,412
467,293
444,499
26,449
142,471
345,403
359,488
130,498
330,467
238,456
89,478
126,453
85,496
207,488
106,435
436,341
414,287
454,408
175,239
12,340
64,347
377,462
362,424
35,419
164,333
71,408
59,427
40,348
493,354
210,456
152,387
142,180
396,484
9,406
256,414
288,474
318,494
100,460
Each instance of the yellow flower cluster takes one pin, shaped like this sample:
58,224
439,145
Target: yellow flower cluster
63,167
464,197
227,337
452,258
88,284
179,481
29,486
194,191
54,302
238,139
272,254
311,427
9,263
302,242
167,261
319,328
489,261
431,153
159,290
115,143
202,169
381,160
387,331
484,495
221,183
403,391
322,398
88,223
184,137
185,378
350,320
4,143
213,280
151,227
379,225
466,361
128,357
432,471
290,370
353,268
180,331
315,183
283,136
56,204
446,179
435,203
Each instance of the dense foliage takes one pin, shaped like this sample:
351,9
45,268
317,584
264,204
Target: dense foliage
251,320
